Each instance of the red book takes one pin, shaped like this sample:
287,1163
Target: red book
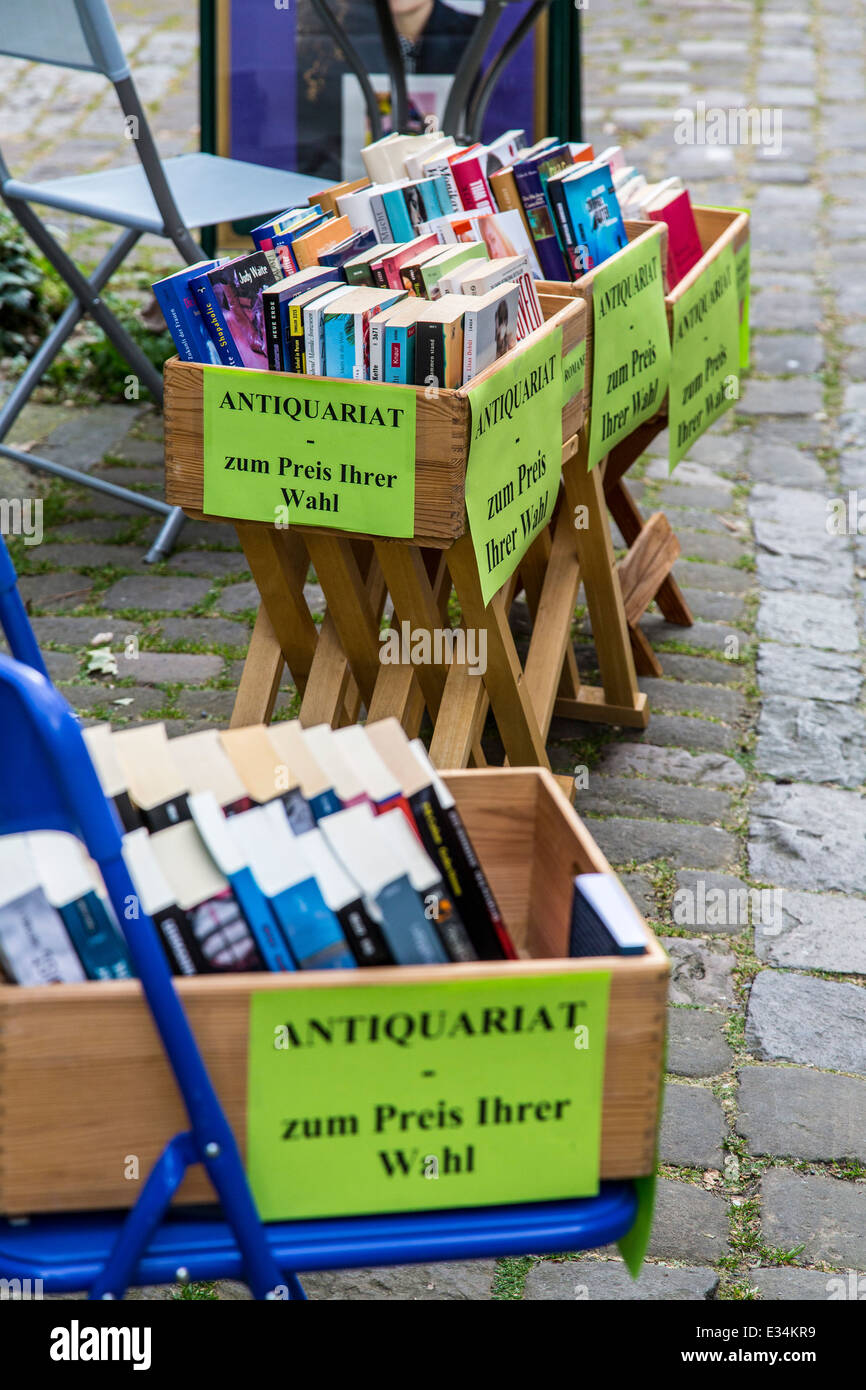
684,244
470,176
391,263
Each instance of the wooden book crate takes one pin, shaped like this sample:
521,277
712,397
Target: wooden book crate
85,1087
441,431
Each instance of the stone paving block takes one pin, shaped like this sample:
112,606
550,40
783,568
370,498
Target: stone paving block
696,1043
784,353
679,493
215,563
723,579
808,837
831,572
236,598
86,555
690,1224
639,796
818,931
82,439
57,592
680,730
700,972
793,1285
624,840
672,764
811,741
123,702
704,669
156,593
690,473
825,1215
720,904
714,607
722,547
207,704
798,1113
794,311
710,701
709,636
813,620
774,463
640,891
789,521
692,1128
812,1022
610,1280
471,1280
210,631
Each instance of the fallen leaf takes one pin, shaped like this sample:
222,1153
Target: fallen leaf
101,638
127,701
102,662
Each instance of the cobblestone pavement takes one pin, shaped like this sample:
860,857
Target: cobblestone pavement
750,773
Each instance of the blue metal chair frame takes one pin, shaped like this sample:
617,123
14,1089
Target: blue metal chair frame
50,784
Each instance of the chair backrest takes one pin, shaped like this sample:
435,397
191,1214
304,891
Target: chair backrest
14,622
67,33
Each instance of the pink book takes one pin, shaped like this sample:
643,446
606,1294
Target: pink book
391,264
470,176
684,244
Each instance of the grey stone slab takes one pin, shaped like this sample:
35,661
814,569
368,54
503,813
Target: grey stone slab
788,520
811,741
696,1043
690,1224
236,598
780,397
716,903
795,1285
800,313
678,494
81,441
207,704
90,555
672,764
784,353
692,1128
797,1113
815,931
808,837
184,668
122,702
160,593
714,607
700,972
59,592
704,669
625,840
78,632
210,631
824,1215
214,563
831,572
640,890
711,701
783,463
712,637
469,1281
812,620
62,666
690,473
610,1280
722,547
811,673
721,579
679,731
798,1018
639,796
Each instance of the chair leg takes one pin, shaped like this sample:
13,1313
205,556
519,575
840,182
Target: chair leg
167,538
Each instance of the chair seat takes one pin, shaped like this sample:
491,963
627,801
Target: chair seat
206,188
67,1252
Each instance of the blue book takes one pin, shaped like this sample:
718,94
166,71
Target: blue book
230,298
183,314
594,207
604,920
311,929
260,919
100,947
397,213
531,176
325,803
399,354
215,322
339,328
263,235
431,202
354,245
166,298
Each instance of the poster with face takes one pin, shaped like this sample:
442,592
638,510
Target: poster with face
286,96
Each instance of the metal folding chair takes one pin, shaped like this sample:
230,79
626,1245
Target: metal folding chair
49,783
166,197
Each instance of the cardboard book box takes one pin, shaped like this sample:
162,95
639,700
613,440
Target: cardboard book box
85,1086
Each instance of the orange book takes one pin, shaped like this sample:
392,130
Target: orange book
327,199
307,249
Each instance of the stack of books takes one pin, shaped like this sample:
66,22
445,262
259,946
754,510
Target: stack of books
278,848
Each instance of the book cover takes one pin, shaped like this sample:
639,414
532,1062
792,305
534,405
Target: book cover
470,175
594,212
362,932
684,243
314,328
604,920
424,877
276,300
489,328
345,250
414,163
410,271
439,342
311,930
375,157
35,947
531,176
112,778
379,213
202,892
327,200
403,213
399,352
295,349
297,766
307,248
438,166
365,851
403,313
342,776
230,298
359,270
347,332
394,260
446,262
95,936
372,771
263,235
157,900
155,785
480,279
166,297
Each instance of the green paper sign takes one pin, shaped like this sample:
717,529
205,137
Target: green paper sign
307,452
381,1098
705,355
573,372
742,258
631,347
515,458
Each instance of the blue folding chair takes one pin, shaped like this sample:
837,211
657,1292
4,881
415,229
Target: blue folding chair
165,197
50,784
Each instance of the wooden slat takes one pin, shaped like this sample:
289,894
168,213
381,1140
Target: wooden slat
669,596
646,566
278,563
259,684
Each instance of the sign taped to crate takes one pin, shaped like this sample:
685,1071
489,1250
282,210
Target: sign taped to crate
631,345
305,451
705,355
451,1093
515,458
573,372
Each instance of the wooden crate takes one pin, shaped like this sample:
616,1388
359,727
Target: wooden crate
441,433
85,1087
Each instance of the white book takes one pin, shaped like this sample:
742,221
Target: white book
267,844
215,832
409,853
302,769
376,161
324,748
614,156
363,851
65,870
337,886
438,166
155,893
35,947
399,150
356,206
314,328
490,328
381,221
103,755
191,872
152,776
378,782
205,766
414,162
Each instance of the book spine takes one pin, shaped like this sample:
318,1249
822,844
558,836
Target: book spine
558,204
298,811
311,929
411,939
182,951
296,358
35,947
215,322
325,803
440,910
95,938
377,347
399,365
271,310
202,344
166,298
459,838
285,336
335,359
363,935
472,185
381,224
260,920
225,940
503,186
167,813
440,168
470,346
456,860
430,354
531,191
